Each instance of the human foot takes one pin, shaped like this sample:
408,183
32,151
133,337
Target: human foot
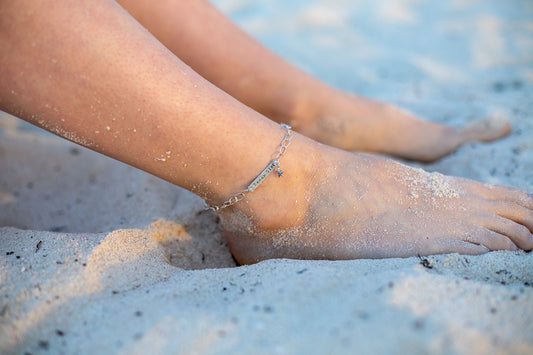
338,205
354,123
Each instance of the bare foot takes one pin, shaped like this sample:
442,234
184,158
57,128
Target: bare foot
354,123
337,205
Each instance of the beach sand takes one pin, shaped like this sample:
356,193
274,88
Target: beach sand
98,257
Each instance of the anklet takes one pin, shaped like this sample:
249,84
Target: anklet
272,166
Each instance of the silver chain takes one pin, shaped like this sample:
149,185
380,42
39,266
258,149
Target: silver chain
272,166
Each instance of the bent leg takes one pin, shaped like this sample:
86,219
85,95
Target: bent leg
90,73
219,51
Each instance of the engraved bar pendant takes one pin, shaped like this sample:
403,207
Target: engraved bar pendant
261,177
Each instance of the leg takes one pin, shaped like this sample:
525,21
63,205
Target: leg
90,73
205,39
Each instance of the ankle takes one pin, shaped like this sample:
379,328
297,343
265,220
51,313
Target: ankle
302,106
312,113
280,202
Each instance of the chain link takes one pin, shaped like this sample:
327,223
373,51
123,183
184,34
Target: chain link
285,142
273,165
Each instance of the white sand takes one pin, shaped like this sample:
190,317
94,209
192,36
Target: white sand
97,257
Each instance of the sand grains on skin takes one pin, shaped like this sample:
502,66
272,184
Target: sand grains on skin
436,184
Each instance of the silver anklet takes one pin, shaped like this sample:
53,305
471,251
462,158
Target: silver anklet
272,166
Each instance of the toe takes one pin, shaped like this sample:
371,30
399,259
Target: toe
467,248
487,130
513,212
492,240
507,194
517,233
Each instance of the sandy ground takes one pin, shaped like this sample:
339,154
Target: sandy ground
98,257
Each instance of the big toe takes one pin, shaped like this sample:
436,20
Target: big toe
487,129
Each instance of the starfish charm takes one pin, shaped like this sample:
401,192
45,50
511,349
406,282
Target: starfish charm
279,172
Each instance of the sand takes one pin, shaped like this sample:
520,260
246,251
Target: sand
98,257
